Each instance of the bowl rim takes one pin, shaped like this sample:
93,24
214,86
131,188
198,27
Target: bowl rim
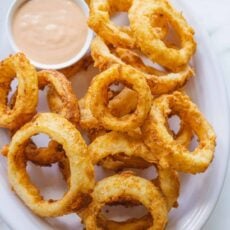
10,14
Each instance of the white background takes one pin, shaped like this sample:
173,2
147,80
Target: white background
214,15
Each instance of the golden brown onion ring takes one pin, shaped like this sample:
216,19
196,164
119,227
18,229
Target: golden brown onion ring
126,187
98,98
99,21
142,13
172,153
158,81
168,182
27,92
81,168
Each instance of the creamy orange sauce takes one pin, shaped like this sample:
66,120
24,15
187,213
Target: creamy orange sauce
50,31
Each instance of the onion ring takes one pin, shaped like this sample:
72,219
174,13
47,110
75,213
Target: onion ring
159,82
172,153
27,93
126,187
76,151
98,99
169,184
99,21
142,12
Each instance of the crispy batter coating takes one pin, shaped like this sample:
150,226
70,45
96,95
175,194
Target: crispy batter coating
98,98
99,21
159,82
123,103
81,168
126,187
61,100
143,12
171,153
117,159
27,93
61,97
114,143
132,224
84,63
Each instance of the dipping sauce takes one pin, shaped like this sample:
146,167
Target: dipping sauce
50,31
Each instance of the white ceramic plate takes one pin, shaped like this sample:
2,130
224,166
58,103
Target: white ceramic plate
199,193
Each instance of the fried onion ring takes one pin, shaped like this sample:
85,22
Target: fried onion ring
81,168
27,92
169,184
158,81
99,21
98,98
126,187
172,153
142,12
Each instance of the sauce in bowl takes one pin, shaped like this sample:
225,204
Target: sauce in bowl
50,31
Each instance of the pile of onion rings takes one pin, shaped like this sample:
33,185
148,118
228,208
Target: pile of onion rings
125,114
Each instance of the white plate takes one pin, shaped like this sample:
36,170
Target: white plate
199,193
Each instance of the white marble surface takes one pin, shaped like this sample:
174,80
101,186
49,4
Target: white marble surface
214,15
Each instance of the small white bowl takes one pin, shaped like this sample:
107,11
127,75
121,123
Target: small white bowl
13,8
